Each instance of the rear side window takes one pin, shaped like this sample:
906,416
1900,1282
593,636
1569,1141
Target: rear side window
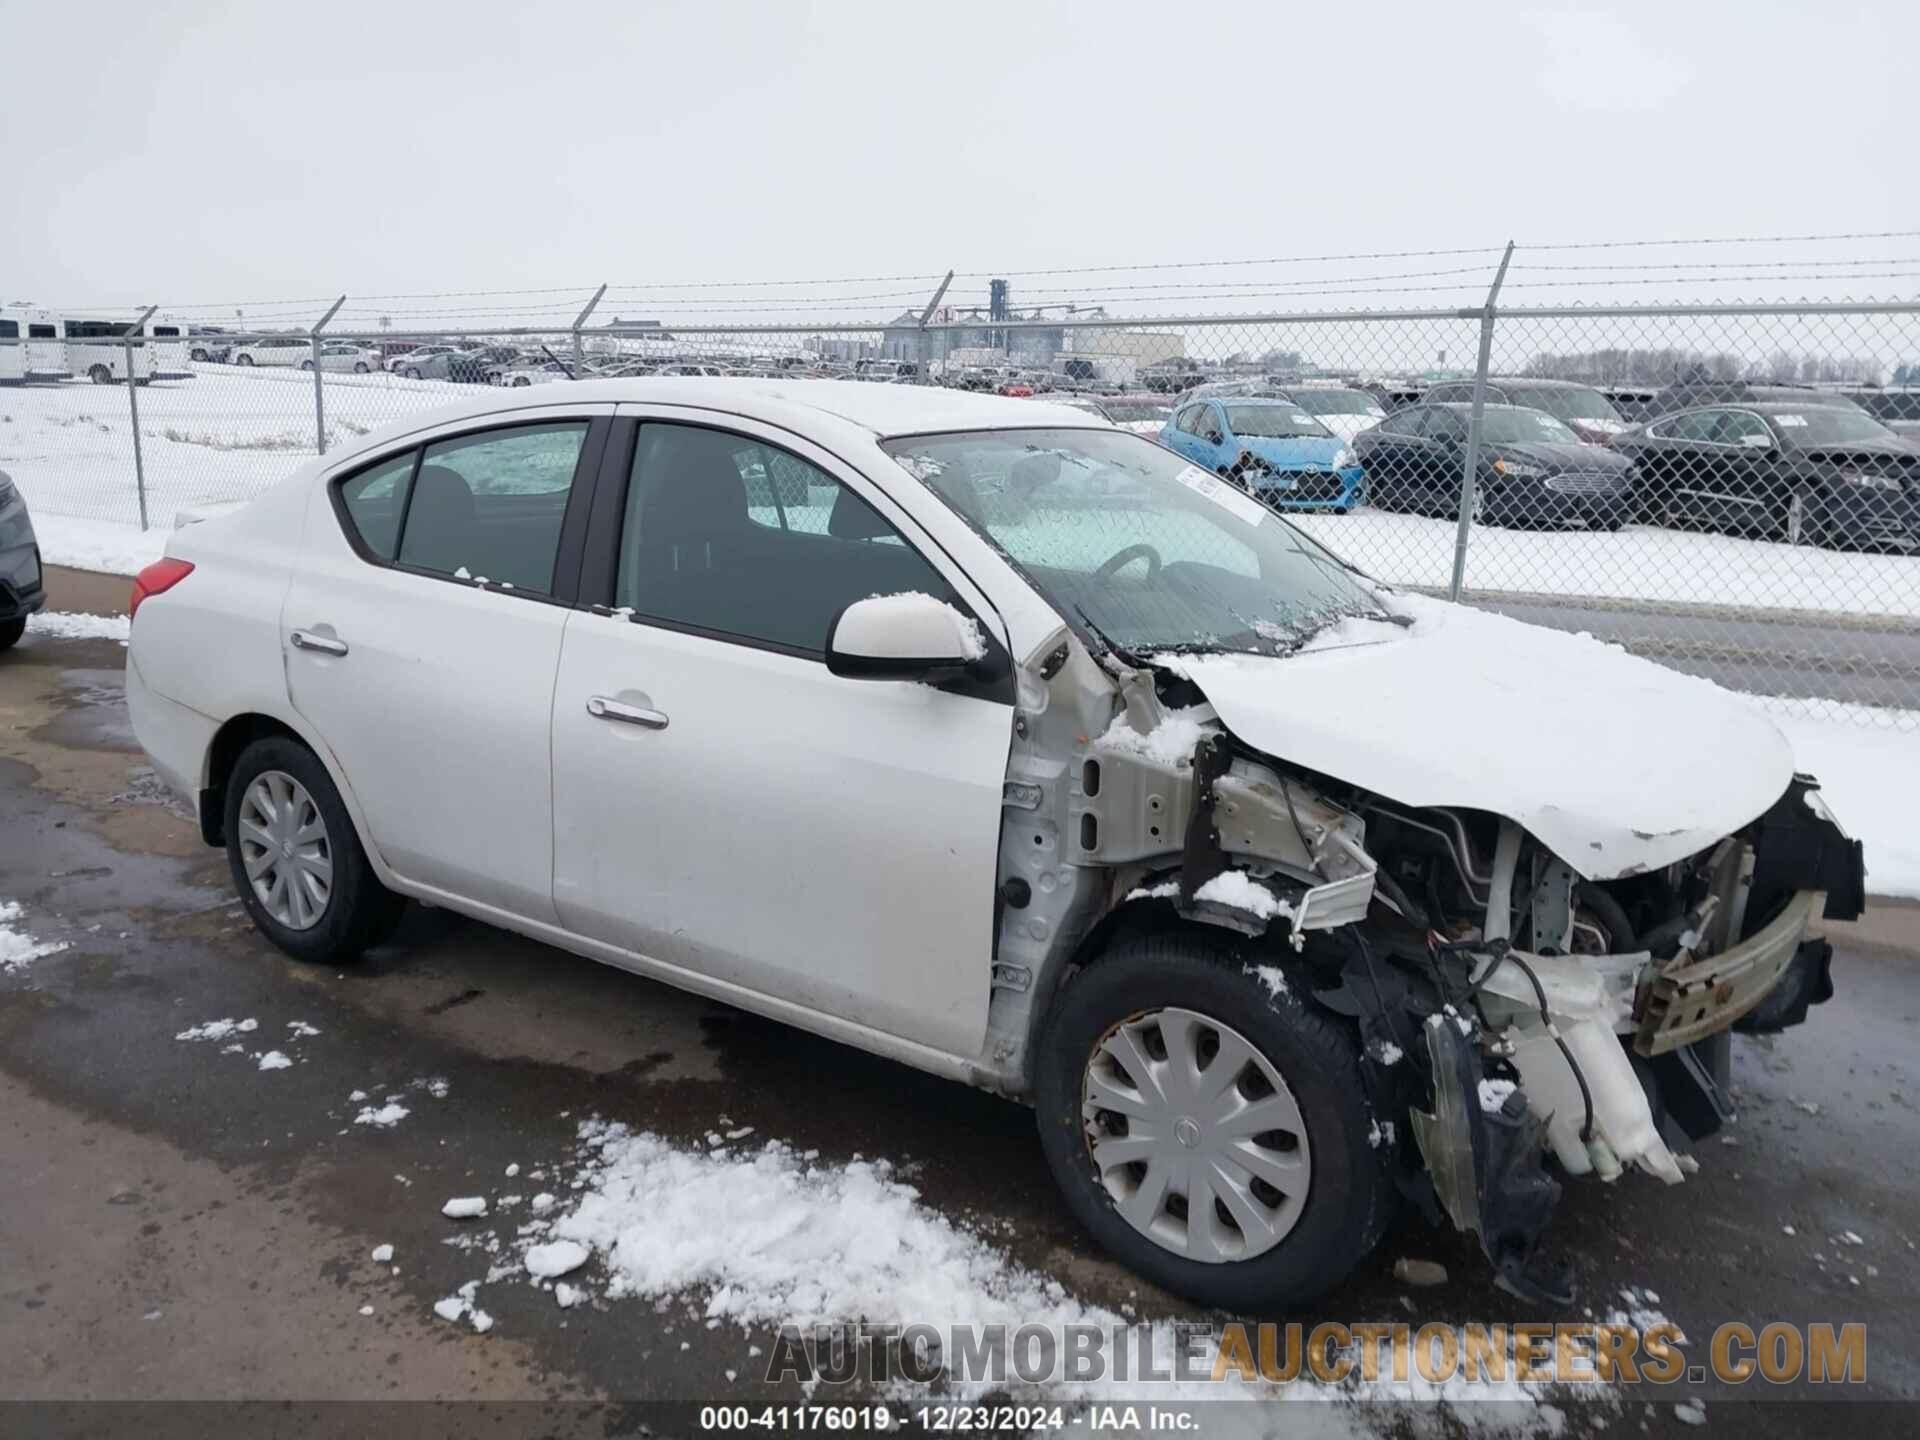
9,329
375,500
489,506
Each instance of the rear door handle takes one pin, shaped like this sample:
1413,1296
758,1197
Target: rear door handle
601,708
324,644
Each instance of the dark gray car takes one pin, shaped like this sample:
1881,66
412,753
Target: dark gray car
22,586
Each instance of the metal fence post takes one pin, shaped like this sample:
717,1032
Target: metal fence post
926,340
579,350
1470,462
133,410
319,397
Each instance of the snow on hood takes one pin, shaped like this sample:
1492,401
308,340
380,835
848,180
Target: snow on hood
1614,763
1294,449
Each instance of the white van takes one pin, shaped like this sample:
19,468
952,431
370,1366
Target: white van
167,339
30,345
97,350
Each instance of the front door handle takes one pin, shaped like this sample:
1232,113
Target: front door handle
601,708
324,644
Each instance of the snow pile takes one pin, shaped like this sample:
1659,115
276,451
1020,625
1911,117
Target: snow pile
1169,742
272,1060
301,1029
1868,763
18,949
382,1254
1240,891
72,625
384,1118
94,544
218,1029
461,1304
464,1207
1494,1093
775,1238
557,1257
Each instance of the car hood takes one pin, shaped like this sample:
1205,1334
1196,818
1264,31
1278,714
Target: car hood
1565,457
1615,764
1300,450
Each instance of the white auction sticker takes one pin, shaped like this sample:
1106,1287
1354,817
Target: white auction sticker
1790,419
1223,493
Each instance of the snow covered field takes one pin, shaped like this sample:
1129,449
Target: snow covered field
229,432
226,434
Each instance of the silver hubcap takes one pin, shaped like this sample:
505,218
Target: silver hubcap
285,849
1196,1137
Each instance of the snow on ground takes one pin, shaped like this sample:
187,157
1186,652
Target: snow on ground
18,949
774,1237
384,1118
227,433
1640,562
65,625
1868,763
105,545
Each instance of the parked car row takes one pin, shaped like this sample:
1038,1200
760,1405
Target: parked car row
1783,463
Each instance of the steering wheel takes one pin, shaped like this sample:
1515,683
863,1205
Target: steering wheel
1120,559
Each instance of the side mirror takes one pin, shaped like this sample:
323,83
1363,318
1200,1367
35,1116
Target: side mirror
910,636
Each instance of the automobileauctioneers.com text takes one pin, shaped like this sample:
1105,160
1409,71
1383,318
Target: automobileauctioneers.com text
1543,1354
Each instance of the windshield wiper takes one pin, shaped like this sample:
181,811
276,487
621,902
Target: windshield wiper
1105,640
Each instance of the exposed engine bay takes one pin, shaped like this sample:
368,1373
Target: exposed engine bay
1509,1007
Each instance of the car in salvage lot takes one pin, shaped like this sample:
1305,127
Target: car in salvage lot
1531,469
1271,448
981,735
1806,474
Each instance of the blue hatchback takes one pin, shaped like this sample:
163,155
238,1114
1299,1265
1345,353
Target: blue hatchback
1272,448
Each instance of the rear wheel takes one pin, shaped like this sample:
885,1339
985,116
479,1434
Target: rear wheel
11,631
1208,1130
413,372
359,367
99,374
297,861
306,364
243,359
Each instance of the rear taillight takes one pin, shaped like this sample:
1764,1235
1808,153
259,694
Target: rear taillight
157,579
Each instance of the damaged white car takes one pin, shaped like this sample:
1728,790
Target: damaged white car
983,736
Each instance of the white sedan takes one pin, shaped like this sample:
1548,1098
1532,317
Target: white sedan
352,359
977,733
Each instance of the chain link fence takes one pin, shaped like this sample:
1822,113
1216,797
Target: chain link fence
1728,488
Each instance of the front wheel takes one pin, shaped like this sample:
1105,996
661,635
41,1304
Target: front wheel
296,859
359,367
306,364
243,360
100,375
1210,1129
413,372
11,631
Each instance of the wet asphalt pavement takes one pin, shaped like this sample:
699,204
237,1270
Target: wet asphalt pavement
178,1224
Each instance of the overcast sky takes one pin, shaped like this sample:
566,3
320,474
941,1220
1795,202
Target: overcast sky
216,152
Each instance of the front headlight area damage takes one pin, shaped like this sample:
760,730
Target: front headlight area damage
1510,1010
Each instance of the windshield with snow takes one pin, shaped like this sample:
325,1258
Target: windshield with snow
1134,546
1337,402
1572,402
1274,422
1508,425
1819,425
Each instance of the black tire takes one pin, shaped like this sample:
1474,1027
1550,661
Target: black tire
243,359
11,631
360,911
413,372
100,375
306,364
359,367
1351,1197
